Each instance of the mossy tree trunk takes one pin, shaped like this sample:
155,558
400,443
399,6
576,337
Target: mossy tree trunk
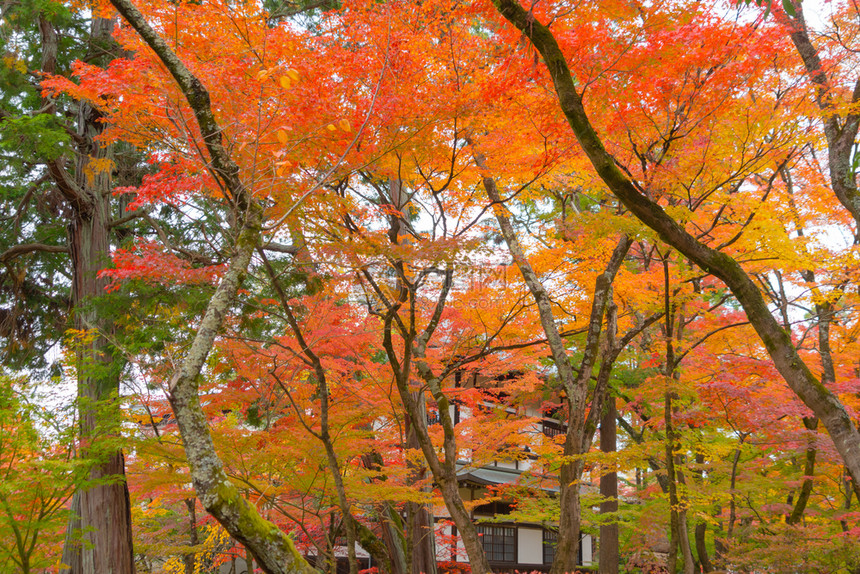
273,549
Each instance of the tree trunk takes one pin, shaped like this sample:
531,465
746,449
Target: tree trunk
273,549
608,562
190,558
701,526
379,553
580,427
570,519
444,470
324,435
733,479
99,531
679,538
422,540
808,470
423,543
388,549
249,562
71,544
105,514
841,121
343,502
105,518
702,548
395,542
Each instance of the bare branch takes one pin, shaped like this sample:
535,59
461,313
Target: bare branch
25,248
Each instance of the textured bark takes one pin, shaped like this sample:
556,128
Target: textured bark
72,558
190,558
608,559
702,547
723,547
389,549
846,504
679,539
423,540
569,520
567,547
375,547
445,472
395,542
105,510
99,539
324,436
808,470
220,162
823,403
274,550
19,250
334,468
302,259
249,562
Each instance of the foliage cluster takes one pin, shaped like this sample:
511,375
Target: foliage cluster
357,254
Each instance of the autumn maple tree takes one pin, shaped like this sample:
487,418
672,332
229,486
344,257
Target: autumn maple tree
824,404
326,263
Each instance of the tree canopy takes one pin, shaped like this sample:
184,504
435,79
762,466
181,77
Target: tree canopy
307,264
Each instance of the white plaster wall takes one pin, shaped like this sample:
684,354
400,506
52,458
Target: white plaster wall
587,550
529,545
